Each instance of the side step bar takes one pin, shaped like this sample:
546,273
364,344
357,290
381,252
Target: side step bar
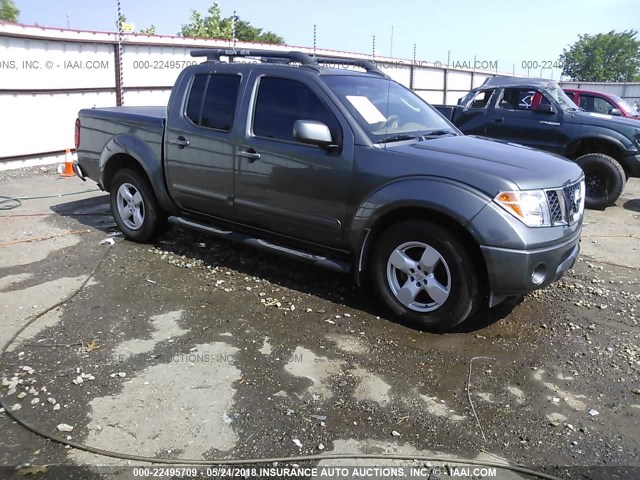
300,255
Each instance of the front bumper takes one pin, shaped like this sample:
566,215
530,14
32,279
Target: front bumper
516,272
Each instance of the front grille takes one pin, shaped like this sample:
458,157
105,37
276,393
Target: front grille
565,204
555,208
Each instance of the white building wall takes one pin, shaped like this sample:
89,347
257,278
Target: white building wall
47,75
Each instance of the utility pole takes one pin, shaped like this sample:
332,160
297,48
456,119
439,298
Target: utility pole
119,74
68,24
233,29
391,48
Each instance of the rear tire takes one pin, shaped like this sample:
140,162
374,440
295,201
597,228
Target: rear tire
425,275
604,178
135,207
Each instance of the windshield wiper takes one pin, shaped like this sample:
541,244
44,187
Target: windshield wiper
438,133
398,138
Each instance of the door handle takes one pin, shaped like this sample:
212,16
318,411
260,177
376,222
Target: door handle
498,120
180,142
250,154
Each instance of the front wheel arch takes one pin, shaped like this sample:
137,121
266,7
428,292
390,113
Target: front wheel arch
389,219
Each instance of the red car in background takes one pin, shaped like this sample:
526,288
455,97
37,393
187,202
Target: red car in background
599,102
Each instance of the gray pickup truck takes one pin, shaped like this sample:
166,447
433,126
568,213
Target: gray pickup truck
342,168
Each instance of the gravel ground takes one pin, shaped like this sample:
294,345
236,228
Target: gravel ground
196,348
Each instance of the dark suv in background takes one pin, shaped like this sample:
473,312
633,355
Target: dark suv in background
537,113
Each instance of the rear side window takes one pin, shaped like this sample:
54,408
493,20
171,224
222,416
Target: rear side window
572,96
481,99
212,101
194,105
281,102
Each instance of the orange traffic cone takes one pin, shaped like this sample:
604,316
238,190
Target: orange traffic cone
66,169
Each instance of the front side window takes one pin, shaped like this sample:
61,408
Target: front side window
281,102
600,105
212,101
516,99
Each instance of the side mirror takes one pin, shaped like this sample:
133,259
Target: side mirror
545,108
312,133
615,112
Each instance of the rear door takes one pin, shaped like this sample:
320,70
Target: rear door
199,145
473,119
285,186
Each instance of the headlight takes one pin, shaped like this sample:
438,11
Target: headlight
529,206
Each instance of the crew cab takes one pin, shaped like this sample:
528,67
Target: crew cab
537,113
344,169
603,103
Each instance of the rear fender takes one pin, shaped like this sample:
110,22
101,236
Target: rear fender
144,156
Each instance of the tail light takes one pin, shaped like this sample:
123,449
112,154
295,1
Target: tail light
77,133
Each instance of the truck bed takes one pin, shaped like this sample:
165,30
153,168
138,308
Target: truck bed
100,125
139,113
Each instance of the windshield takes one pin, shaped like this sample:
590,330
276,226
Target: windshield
386,110
563,100
629,110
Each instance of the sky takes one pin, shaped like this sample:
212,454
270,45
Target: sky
513,33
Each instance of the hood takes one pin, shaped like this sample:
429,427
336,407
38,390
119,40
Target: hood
487,163
603,120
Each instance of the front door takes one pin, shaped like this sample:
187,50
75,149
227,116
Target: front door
283,185
514,119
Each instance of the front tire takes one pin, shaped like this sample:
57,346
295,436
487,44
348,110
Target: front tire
604,180
425,274
135,207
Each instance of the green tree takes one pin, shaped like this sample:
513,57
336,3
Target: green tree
605,57
206,26
8,11
245,32
150,30
212,25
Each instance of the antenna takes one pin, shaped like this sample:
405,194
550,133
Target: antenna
373,51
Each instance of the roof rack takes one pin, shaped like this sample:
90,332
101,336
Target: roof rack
282,57
214,54
368,65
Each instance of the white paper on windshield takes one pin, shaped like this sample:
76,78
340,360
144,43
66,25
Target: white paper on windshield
367,109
